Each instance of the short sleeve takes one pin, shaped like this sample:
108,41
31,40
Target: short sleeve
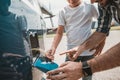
104,20
61,18
94,11
22,22
22,25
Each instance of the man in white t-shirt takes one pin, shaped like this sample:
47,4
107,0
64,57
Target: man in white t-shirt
75,19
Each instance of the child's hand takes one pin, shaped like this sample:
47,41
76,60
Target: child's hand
50,54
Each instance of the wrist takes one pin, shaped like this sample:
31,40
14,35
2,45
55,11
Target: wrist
53,48
93,64
81,48
80,69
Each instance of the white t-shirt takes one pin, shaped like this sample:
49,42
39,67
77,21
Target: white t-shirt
77,24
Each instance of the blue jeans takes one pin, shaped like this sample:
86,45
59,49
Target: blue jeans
15,68
83,58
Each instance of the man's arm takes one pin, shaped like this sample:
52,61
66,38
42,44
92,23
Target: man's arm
93,1
67,71
103,28
108,60
92,42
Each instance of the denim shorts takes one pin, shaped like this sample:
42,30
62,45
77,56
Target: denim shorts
15,68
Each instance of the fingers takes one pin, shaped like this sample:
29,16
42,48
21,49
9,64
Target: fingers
73,56
79,51
57,71
99,48
49,54
97,53
70,56
64,64
92,49
76,55
52,52
62,53
65,52
60,76
69,53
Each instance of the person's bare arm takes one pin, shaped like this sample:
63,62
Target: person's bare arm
93,1
108,60
58,36
50,53
93,41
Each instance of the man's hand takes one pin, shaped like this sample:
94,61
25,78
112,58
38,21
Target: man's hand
50,53
96,40
98,48
66,71
70,53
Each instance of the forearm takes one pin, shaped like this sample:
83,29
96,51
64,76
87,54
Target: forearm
93,1
95,39
57,37
56,41
108,60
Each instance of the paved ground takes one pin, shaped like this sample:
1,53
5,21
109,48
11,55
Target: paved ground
112,74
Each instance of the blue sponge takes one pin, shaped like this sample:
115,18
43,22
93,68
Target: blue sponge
44,64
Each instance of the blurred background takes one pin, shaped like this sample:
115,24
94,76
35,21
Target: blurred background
41,18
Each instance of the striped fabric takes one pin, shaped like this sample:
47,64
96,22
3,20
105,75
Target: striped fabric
111,10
